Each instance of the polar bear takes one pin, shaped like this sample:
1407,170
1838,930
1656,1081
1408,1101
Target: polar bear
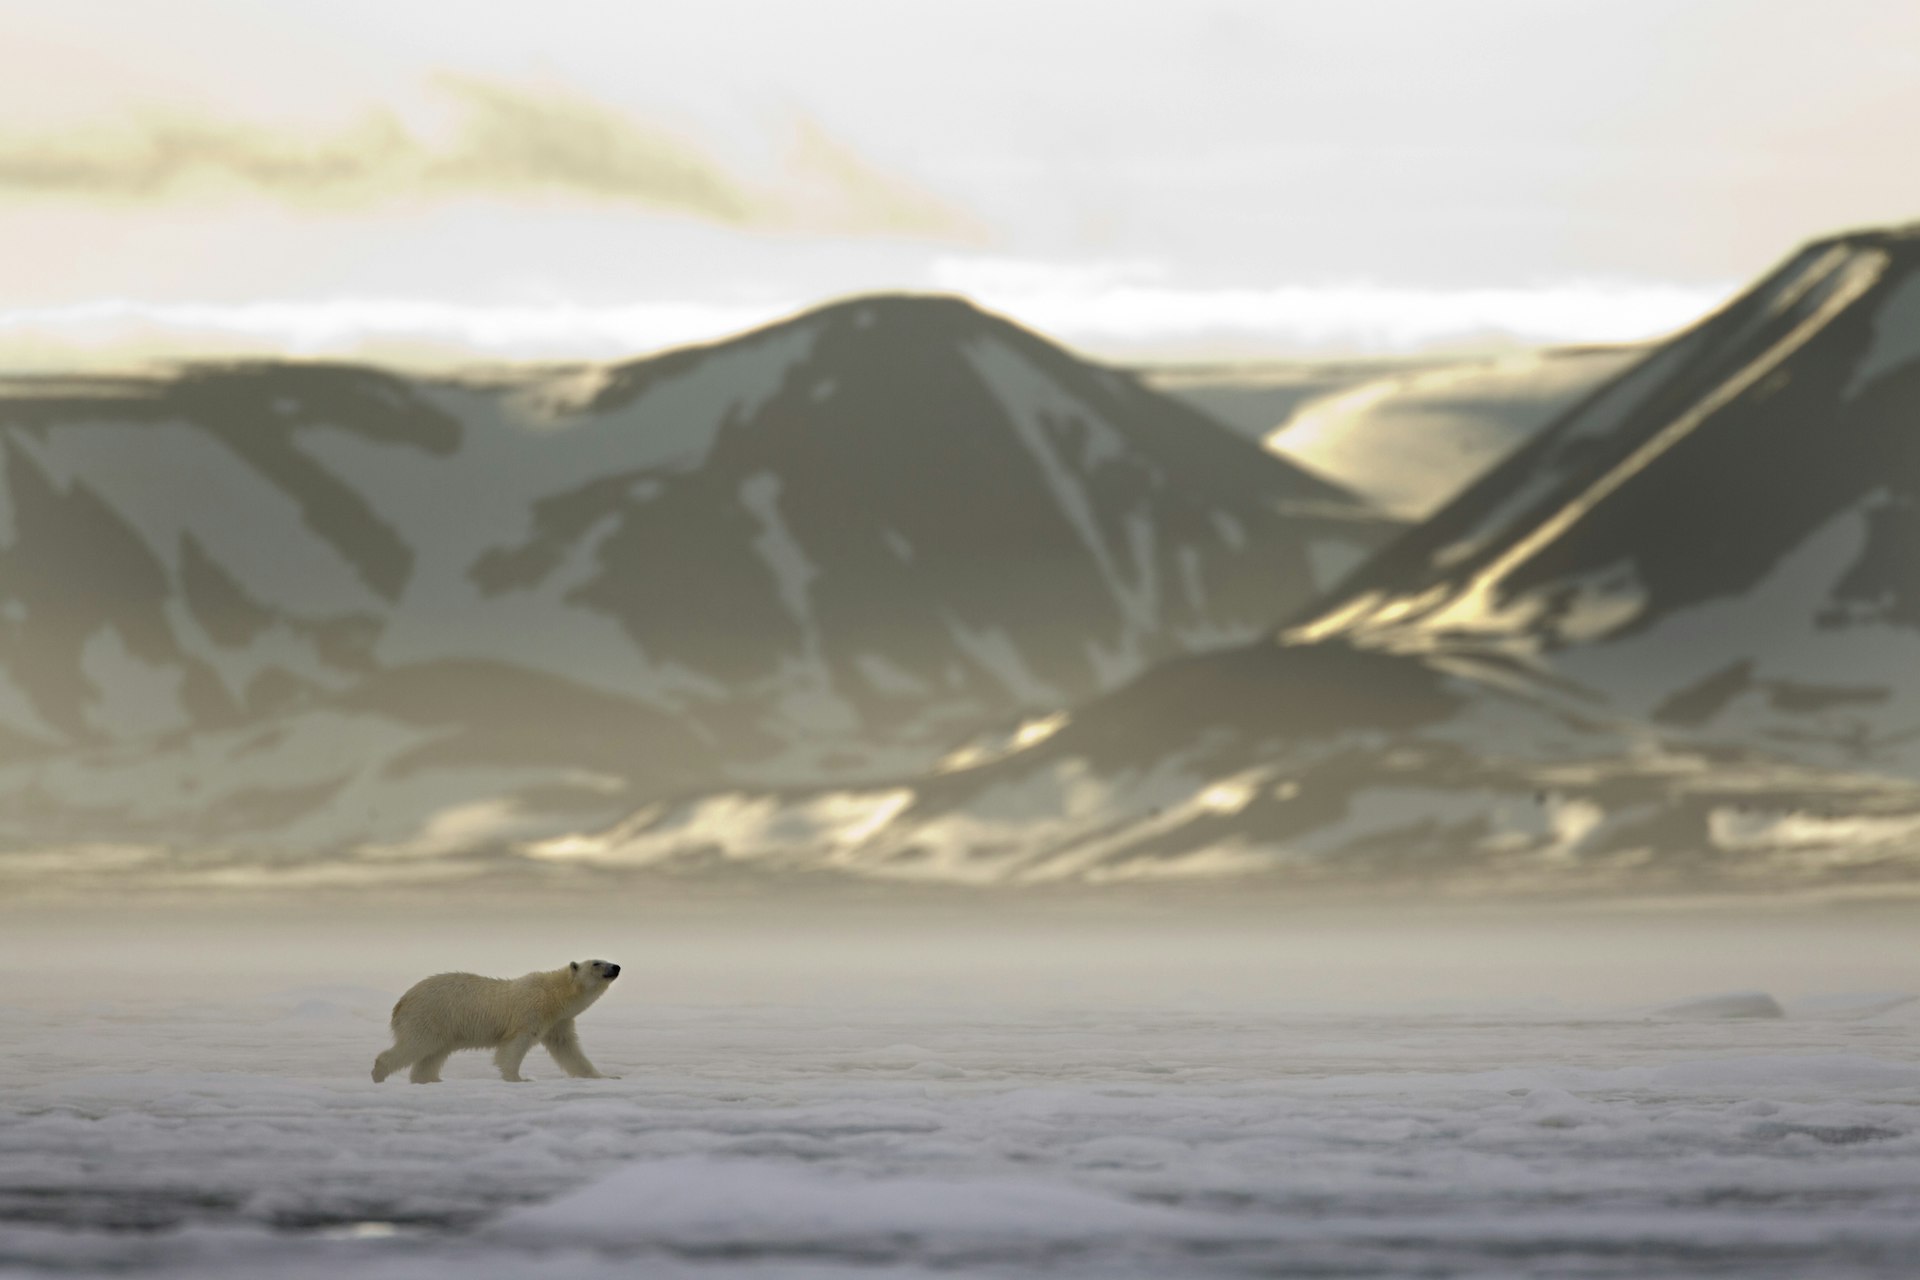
452,1011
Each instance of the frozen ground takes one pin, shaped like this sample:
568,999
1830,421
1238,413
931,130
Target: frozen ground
241,1137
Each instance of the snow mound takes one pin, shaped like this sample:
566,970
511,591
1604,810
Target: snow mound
747,1203
1852,1004
1732,1004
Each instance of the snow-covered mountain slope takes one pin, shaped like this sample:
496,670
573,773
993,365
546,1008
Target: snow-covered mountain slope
1410,441
1724,540
324,606
1317,767
1407,433
1255,397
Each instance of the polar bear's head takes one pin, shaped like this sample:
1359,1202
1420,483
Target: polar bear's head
593,974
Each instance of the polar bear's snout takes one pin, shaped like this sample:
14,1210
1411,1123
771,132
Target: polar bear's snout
605,970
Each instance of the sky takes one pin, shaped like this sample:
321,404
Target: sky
432,181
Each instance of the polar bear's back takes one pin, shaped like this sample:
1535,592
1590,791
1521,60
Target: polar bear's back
460,1008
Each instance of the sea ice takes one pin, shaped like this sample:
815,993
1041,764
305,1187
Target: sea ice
227,1138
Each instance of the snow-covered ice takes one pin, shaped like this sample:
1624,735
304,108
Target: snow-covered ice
239,1136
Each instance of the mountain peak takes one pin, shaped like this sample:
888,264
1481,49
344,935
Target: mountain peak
876,326
1902,234
864,309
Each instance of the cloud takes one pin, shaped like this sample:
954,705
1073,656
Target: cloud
505,141
1134,305
512,141
158,155
111,332
861,198
1123,310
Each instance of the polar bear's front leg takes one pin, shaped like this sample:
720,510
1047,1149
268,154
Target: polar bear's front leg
511,1053
563,1042
392,1060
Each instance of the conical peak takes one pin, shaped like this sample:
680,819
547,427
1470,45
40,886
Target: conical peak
931,319
866,308
866,327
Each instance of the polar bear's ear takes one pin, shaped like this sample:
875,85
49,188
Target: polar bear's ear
574,965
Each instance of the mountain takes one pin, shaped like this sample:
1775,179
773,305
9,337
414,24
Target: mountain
1726,540
1671,644
313,606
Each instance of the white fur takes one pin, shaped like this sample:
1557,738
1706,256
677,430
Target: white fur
453,1011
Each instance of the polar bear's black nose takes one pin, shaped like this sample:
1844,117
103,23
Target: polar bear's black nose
613,971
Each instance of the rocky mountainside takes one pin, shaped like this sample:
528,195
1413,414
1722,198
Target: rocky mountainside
315,607
1673,643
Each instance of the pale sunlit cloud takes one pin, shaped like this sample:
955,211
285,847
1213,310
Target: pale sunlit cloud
1120,310
1132,305
405,331
503,141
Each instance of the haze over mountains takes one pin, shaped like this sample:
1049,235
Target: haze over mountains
299,609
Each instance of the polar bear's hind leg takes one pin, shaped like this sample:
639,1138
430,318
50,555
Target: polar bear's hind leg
511,1053
427,1070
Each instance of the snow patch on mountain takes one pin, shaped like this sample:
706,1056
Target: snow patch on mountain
1330,562
995,652
675,423
461,828
9,529
171,480
1896,339
1412,437
1034,403
508,462
133,697
1851,684
18,714
885,677
1864,835
736,826
793,573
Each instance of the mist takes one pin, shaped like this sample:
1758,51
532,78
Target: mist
830,950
